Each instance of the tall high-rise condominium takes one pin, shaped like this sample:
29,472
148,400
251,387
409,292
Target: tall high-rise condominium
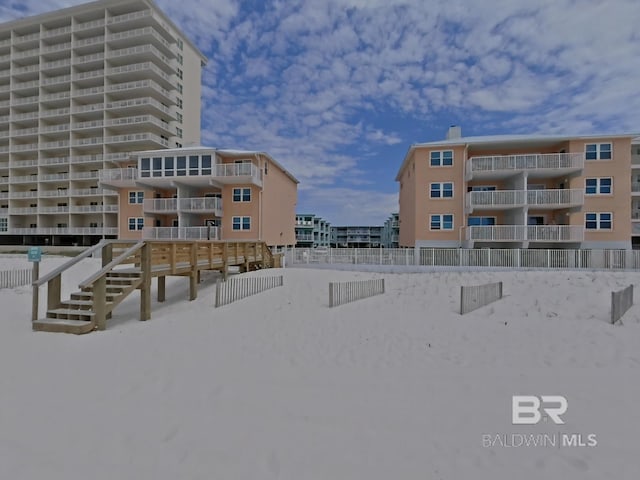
81,88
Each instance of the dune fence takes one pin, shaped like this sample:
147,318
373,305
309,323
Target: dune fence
15,278
621,301
476,296
346,292
241,287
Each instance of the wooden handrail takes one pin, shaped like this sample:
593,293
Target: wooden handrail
70,263
107,268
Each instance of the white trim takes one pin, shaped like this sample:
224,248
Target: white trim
598,152
598,221
598,187
442,197
242,200
241,229
441,161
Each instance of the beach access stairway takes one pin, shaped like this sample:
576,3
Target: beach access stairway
130,265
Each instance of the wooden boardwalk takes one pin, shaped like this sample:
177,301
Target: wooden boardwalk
129,266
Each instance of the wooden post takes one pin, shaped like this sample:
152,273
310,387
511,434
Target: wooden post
172,258
35,274
100,302
53,292
107,254
145,286
263,255
225,256
193,274
161,288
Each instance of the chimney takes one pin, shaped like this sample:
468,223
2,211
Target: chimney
454,132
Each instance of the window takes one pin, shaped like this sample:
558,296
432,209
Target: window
93,224
193,164
145,167
157,166
136,223
169,167
206,164
179,73
598,221
180,59
179,132
481,221
442,159
441,190
598,151
241,223
180,88
136,197
241,194
179,101
441,222
598,186
4,224
179,116
181,166
180,43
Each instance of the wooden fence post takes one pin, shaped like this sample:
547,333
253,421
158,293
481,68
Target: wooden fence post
36,291
145,287
161,288
100,302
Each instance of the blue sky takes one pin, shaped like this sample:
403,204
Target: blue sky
337,90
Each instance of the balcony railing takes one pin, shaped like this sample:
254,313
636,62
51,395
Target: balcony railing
203,204
93,208
304,238
181,233
525,162
524,233
517,198
65,231
118,175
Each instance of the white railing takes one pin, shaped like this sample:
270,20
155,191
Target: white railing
83,175
55,80
181,233
118,156
54,210
23,194
135,67
88,75
525,162
56,31
56,48
91,191
57,144
87,141
523,233
127,17
89,41
136,120
57,112
93,208
24,211
138,102
204,204
137,137
88,25
65,231
96,158
55,128
23,85
54,176
498,198
236,169
160,205
118,174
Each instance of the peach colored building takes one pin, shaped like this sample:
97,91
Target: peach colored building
519,191
205,193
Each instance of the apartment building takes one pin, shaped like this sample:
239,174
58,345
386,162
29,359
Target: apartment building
523,191
635,193
391,231
204,193
312,231
356,236
81,88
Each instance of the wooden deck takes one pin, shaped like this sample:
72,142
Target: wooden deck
129,266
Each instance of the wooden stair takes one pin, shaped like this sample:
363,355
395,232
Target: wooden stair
77,314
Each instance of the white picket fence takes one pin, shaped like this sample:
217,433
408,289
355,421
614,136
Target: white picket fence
345,292
463,257
236,288
476,296
15,278
621,301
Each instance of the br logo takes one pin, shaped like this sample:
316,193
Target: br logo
526,408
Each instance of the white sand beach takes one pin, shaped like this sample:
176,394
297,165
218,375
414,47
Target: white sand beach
280,386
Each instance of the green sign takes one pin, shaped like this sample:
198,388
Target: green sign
34,254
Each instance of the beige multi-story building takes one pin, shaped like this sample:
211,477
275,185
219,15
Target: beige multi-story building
81,88
204,193
519,191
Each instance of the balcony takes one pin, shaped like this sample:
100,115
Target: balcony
503,166
65,231
118,177
181,233
301,237
138,140
525,233
54,210
24,211
93,208
539,199
221,174
635,187
211,205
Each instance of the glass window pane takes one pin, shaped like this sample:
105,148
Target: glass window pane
435,158
145,164
447,157
246,195
435,222
169,166
246,223
181,166
236,195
